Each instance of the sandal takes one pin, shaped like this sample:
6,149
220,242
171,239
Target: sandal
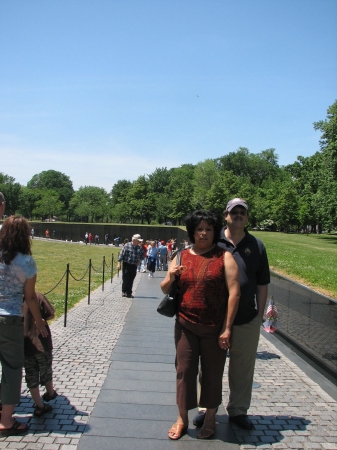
44,410
177,430
206,432
14,429
46,397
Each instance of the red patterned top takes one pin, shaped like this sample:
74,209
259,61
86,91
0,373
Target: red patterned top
203,291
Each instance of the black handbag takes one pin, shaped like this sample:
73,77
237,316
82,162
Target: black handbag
169,305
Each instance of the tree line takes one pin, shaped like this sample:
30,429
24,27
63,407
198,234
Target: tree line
299,196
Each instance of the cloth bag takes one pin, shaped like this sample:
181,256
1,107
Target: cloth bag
169,305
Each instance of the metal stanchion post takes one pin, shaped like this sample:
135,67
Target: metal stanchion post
66,297
112,267
89,284
103,273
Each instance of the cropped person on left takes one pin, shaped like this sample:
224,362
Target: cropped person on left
209,293
17,278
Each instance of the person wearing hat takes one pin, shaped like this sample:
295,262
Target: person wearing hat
131,256
251,257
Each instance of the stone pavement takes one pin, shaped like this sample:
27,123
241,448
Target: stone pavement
114,372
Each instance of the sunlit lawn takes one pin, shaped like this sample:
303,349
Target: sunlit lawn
52,259
308,259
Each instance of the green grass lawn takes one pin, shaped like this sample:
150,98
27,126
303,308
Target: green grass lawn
52,259
308,259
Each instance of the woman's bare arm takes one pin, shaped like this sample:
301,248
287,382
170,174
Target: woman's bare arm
233,285
33,305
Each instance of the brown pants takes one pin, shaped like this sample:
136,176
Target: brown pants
192,341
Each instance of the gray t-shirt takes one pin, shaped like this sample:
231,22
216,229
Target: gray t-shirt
12,281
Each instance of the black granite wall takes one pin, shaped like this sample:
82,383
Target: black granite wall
76,231
308,320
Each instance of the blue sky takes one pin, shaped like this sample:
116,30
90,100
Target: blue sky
107,90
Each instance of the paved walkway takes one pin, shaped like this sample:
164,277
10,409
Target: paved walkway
114,371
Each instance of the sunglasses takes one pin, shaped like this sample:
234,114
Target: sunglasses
237,212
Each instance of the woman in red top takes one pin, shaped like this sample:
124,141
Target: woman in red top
169,249
209,293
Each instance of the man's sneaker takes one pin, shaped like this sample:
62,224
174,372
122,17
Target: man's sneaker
198,420
46,397
242,421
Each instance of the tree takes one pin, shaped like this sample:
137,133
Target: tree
90,202
141,201
205,175
49,204
257,167
328,141
56,181
326,194
158,186
11,191
159,180
285,207
180,192
27,201
119,192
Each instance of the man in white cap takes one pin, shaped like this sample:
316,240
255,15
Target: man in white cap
251,258
131,256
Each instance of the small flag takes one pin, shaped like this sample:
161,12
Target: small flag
270,324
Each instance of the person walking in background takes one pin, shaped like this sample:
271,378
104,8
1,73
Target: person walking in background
152,257
90,238
163,256
131,255
32,233
251,258
86,238
116,241
96,239
141,255
209,292
17,279
158,245
38,356
144,260
47,233
106,239
169,249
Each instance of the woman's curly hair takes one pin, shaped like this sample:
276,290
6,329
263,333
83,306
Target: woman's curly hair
14,238
193,220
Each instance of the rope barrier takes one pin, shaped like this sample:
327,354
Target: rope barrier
98,268
79,279
68,273
56,284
